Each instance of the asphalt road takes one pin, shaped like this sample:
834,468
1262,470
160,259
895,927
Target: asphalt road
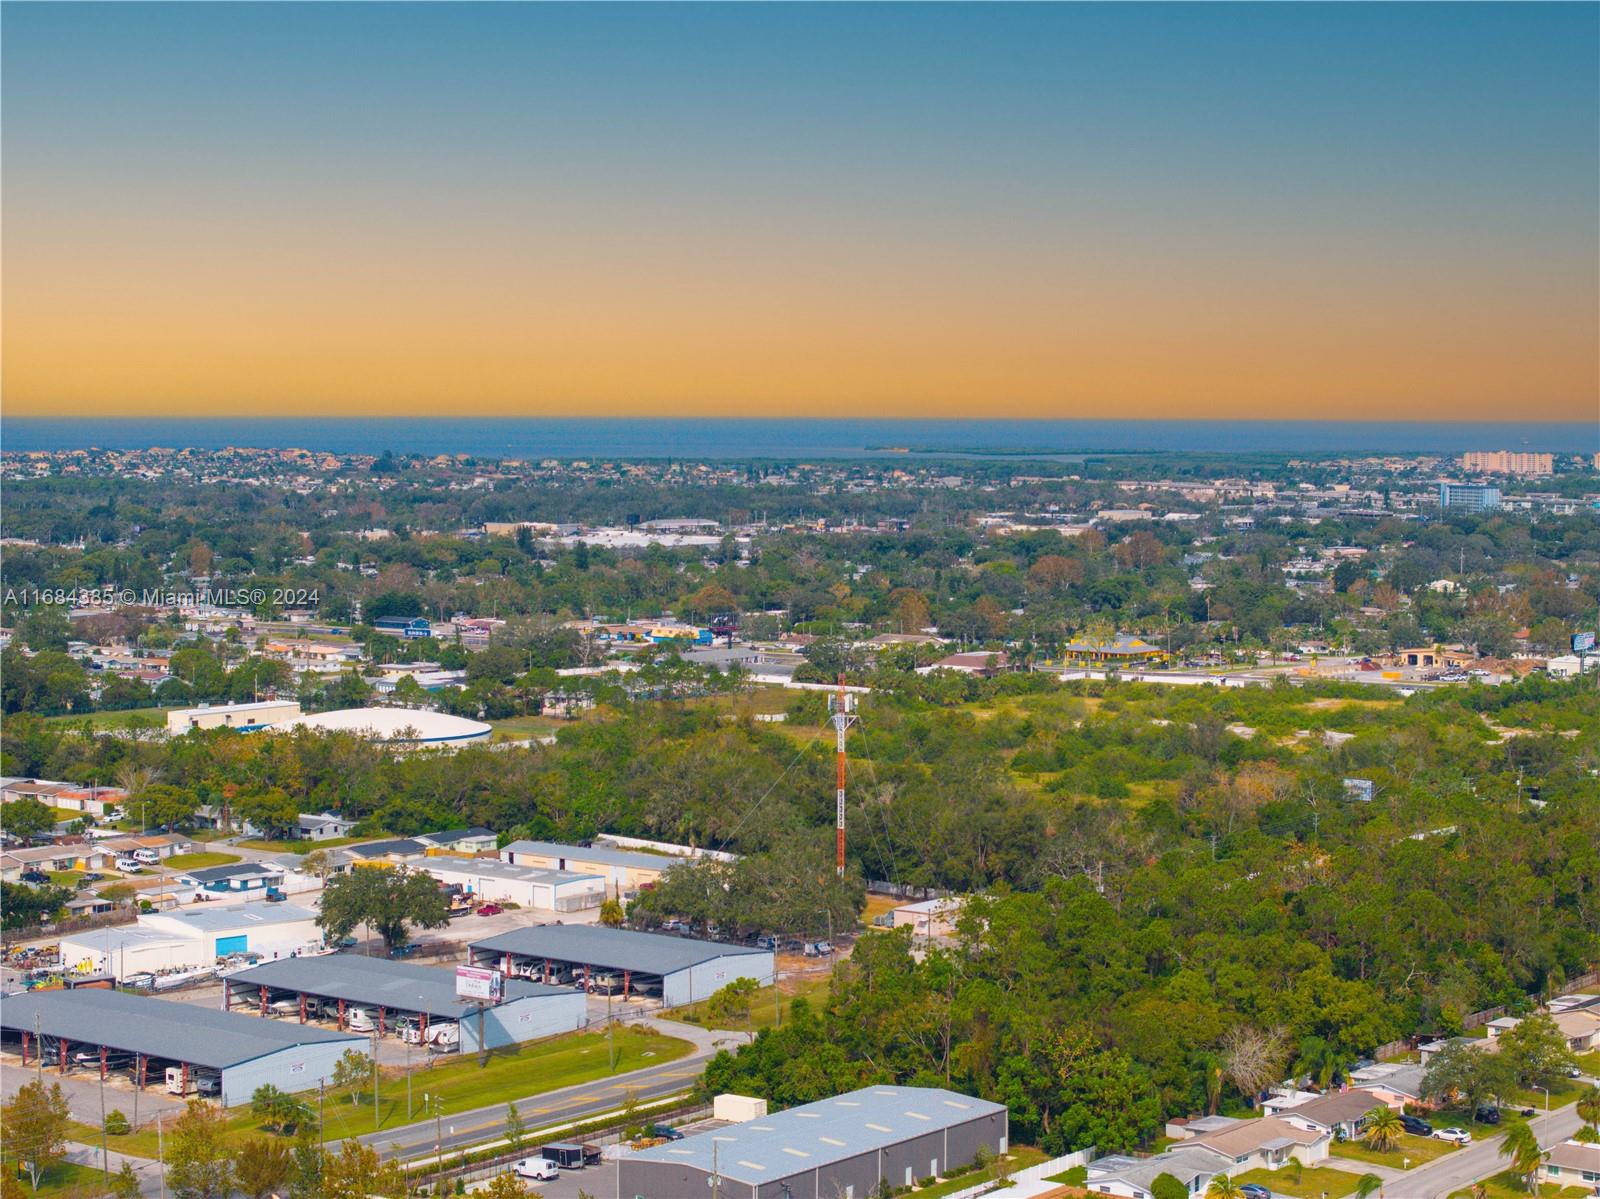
552,1107
1459,1170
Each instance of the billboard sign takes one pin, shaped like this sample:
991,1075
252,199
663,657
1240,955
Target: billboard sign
479,984
1360,790
1583,643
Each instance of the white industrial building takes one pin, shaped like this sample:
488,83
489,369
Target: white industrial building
403,727
495,881
190,938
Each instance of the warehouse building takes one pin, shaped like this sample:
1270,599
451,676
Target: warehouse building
178,1046
626,872
404,728
219,930
245,718
616,960
374,995
495,881
862,1143
191,938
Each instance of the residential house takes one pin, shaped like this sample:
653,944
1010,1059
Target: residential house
324,826
1340,1114
1571,1164
241,876
1133,1177
1581,1028
1396,1083
385,853
1266,1143
165,845
67,855
459,840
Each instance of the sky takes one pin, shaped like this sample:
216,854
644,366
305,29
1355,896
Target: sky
1343,211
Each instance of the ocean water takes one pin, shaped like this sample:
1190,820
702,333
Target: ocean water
797,439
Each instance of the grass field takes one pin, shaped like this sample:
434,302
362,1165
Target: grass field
1312,1183
1509,1186
99,721
516,728
198,861
65,1180
1589,1063
768,1001
459,1083
1413,1149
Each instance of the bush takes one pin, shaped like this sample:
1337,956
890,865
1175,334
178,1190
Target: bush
117,1124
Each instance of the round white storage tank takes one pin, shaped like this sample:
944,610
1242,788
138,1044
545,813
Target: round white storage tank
396,726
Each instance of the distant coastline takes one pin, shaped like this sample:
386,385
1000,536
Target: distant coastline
798,439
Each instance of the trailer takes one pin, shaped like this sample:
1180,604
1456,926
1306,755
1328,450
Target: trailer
570,1155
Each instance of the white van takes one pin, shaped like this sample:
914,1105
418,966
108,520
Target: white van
147,857
129,866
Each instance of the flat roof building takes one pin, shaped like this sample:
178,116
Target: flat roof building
243,717
335,985
404,727
862,1143
97,1031
500,882
626,871
681,970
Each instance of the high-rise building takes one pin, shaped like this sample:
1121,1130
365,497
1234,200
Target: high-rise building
1470,497
1508,462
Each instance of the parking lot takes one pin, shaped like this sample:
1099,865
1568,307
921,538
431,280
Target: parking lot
597,1180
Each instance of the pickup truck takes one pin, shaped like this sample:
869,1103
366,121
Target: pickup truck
275,896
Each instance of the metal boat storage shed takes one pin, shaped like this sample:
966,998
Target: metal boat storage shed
860,1143
679,969
100,1031
330,987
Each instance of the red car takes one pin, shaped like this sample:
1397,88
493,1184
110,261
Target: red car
490,909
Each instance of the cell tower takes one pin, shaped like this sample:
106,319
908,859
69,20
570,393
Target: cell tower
843,707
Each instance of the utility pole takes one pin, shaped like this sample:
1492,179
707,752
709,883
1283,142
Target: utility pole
38,1045
375,1120
104,1150
161,1156
843,707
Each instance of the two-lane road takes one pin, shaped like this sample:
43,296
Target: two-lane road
1459,1170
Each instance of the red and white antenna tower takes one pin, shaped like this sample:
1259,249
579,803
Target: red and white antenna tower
843,707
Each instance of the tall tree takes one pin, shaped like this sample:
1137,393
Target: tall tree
36,1123
199,1159
261,1167
388,901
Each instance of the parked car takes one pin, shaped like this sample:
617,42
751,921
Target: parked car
817,949
1251,1190
1456,1136
129,866
93,876
537,1168
1416,1126
275,896
1487,1113
665,1131
35,876
147,857
489,909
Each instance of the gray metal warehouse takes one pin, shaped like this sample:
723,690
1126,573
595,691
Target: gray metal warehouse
851,1144
335,987
679,969
212,1052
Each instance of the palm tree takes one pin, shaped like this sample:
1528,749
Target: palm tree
1223,1187
1383,1129
1589,1106
1522,1147
1368,1185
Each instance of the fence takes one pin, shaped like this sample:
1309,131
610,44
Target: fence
1031,1179
75,924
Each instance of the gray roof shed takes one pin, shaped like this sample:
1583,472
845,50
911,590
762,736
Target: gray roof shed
611,948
